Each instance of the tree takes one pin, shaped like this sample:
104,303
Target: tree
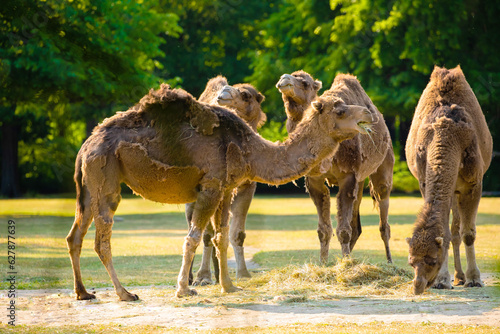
391,46
83,55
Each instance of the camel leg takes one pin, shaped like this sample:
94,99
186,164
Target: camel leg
467,205
356,218
204,274
456,241
206,203
237,235
83,219
189,215
320,194
380,189
345,200
443,278
103,212
221,242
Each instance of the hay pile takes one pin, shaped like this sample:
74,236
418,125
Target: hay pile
348,277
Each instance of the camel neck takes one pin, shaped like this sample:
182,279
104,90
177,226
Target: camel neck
280,163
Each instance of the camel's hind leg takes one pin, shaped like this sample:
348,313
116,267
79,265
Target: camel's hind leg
456,241
83,219
468,202
320,194
380,189
103,224
204,274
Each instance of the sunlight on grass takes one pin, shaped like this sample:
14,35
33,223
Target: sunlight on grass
148,237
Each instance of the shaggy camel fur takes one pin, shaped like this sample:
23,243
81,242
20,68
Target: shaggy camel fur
171,148
449,149
245,100
357,158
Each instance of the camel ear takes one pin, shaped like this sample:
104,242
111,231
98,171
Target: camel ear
338,102
440,241
318,106
317,85
408,240
260,97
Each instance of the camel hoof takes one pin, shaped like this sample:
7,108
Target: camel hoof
203,282
231,289
474,284
243,274
459,282
185,293
85,296
129,297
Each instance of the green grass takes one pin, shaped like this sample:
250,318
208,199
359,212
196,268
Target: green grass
150,235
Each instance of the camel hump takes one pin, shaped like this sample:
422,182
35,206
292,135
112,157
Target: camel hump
449,81
214,86
166,105
349,80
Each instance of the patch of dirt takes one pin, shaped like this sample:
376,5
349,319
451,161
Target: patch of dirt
158,306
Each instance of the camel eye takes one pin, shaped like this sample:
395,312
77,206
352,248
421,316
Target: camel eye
430,261
245,96
306,84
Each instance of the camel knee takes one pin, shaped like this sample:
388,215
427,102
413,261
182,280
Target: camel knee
469,238
237,239
207,239
325,233
344,236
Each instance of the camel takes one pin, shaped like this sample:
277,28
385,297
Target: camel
170,148
356,159
449,148
245,100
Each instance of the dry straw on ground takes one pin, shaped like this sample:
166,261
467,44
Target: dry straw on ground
347,277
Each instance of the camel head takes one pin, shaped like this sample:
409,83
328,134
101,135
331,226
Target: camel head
246,100
428,249
298,87
340,120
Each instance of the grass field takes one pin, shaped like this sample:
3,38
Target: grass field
147,247
150,235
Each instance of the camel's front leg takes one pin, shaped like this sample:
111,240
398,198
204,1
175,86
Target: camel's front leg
221,242
468,202
204,274
205,206
456,241
239,210
320,194
356,217
348,189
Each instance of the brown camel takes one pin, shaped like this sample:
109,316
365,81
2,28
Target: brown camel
357,158
449,149
170,148
245,100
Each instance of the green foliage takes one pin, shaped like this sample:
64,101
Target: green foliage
402,178
65,65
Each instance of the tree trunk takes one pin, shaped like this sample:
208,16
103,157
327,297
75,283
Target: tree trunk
10,163
404,129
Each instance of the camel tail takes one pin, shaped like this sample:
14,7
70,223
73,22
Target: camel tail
375,197
79,186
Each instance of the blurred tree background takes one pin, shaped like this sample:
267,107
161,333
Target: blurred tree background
65,65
